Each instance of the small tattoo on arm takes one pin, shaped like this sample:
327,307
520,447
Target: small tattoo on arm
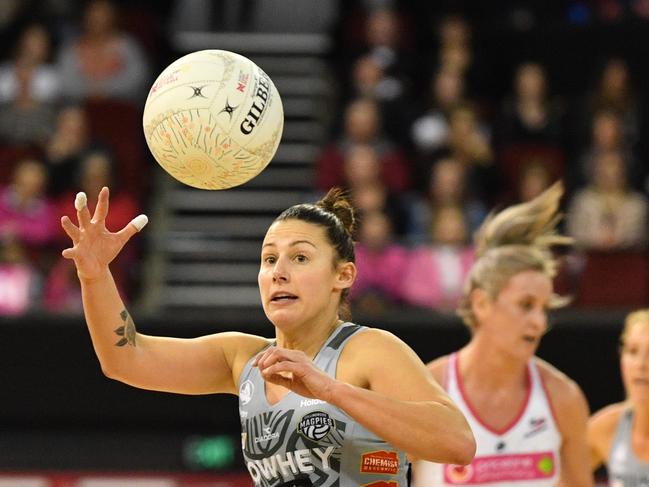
127,331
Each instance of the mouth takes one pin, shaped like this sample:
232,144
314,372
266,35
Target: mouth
530,338
641,382
282,297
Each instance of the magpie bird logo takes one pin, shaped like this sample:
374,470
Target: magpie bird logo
198,92
229,109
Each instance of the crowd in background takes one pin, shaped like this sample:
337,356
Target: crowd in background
426,140
426,162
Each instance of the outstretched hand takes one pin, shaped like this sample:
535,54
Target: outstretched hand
295,371
94,247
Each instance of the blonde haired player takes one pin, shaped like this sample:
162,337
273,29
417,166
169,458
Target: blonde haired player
528,418
618,435
326,402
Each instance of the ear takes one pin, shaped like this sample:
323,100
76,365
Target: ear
345,275
480,303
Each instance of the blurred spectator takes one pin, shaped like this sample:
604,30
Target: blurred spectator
468,140
454,30
455,58
378,260
529,115
384,38
607,135
430,131
435,275
534,179
361,166
615,92
607,215
454,52
19,281
447,186
97,171
469,143
25,120
372,196
31,63
26,213
62,292
369,80
103,62
70,142
363,126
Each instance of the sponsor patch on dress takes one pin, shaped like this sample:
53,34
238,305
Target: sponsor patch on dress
380,462
316,425
502,468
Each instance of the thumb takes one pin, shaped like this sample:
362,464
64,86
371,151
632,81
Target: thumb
133,227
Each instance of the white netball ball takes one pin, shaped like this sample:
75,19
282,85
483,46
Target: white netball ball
213,119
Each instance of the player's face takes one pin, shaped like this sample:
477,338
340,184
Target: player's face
517,318
634,362
297,278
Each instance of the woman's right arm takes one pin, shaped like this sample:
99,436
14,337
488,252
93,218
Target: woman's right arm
202,365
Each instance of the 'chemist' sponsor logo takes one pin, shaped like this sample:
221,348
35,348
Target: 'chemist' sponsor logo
380,462
315,426
289,463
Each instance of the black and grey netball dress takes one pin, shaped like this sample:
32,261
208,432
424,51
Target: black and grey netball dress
300,442
624,468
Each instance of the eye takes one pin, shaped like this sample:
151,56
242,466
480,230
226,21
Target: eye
301,258
269,259
527,305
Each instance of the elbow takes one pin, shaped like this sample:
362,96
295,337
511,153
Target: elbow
465,449
459,448
110,372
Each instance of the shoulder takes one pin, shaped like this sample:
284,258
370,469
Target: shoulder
556,382
438,368
603,423
372,340
566,397
371,353
238,349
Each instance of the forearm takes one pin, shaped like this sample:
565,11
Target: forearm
111,328
431,430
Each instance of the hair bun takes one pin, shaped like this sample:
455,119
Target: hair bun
337,202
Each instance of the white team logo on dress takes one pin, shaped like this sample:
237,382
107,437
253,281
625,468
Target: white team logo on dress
246,391
316,425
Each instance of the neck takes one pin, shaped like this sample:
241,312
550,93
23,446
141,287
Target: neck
495,371
308,337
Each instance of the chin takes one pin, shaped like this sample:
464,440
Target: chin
282,318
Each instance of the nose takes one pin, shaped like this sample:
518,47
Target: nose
280,273
642,360
539,319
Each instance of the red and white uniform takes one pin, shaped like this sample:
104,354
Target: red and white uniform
525,453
